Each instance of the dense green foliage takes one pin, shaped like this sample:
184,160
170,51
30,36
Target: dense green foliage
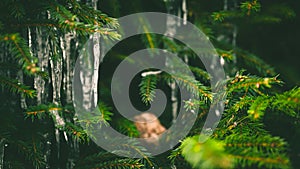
40,42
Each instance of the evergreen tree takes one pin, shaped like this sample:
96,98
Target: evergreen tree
41,40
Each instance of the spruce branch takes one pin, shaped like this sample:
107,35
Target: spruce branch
147,88
41,111
200,73
119,164
280,162
150,39
76,132
250,7
32,152
20,50
210,154
260,143
226,55
17,87
69,22
98,117
107,160
244,83
258,107
192,85
288,102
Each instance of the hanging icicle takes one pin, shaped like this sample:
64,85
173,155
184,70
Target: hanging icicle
225,5
171,26
65,43
94,3
56,80
97,60
86,79
234,35
22,97
185,12
47,151
42,50
2,151
96,52
39,44
235,29
89,79
73,155
89,59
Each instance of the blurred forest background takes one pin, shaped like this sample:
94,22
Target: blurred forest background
275,42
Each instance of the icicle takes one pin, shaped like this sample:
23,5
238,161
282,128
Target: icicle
22,97
2,151
65,45
43,56
67,78
86,81
39,43
57,138
171,25
47,151
74,151
89,80
185,12
174,101
94,2
56,78
97,59
38,82
179,15
225,5
234,33
29,40
96,51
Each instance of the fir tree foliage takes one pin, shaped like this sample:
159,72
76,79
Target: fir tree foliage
239,141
